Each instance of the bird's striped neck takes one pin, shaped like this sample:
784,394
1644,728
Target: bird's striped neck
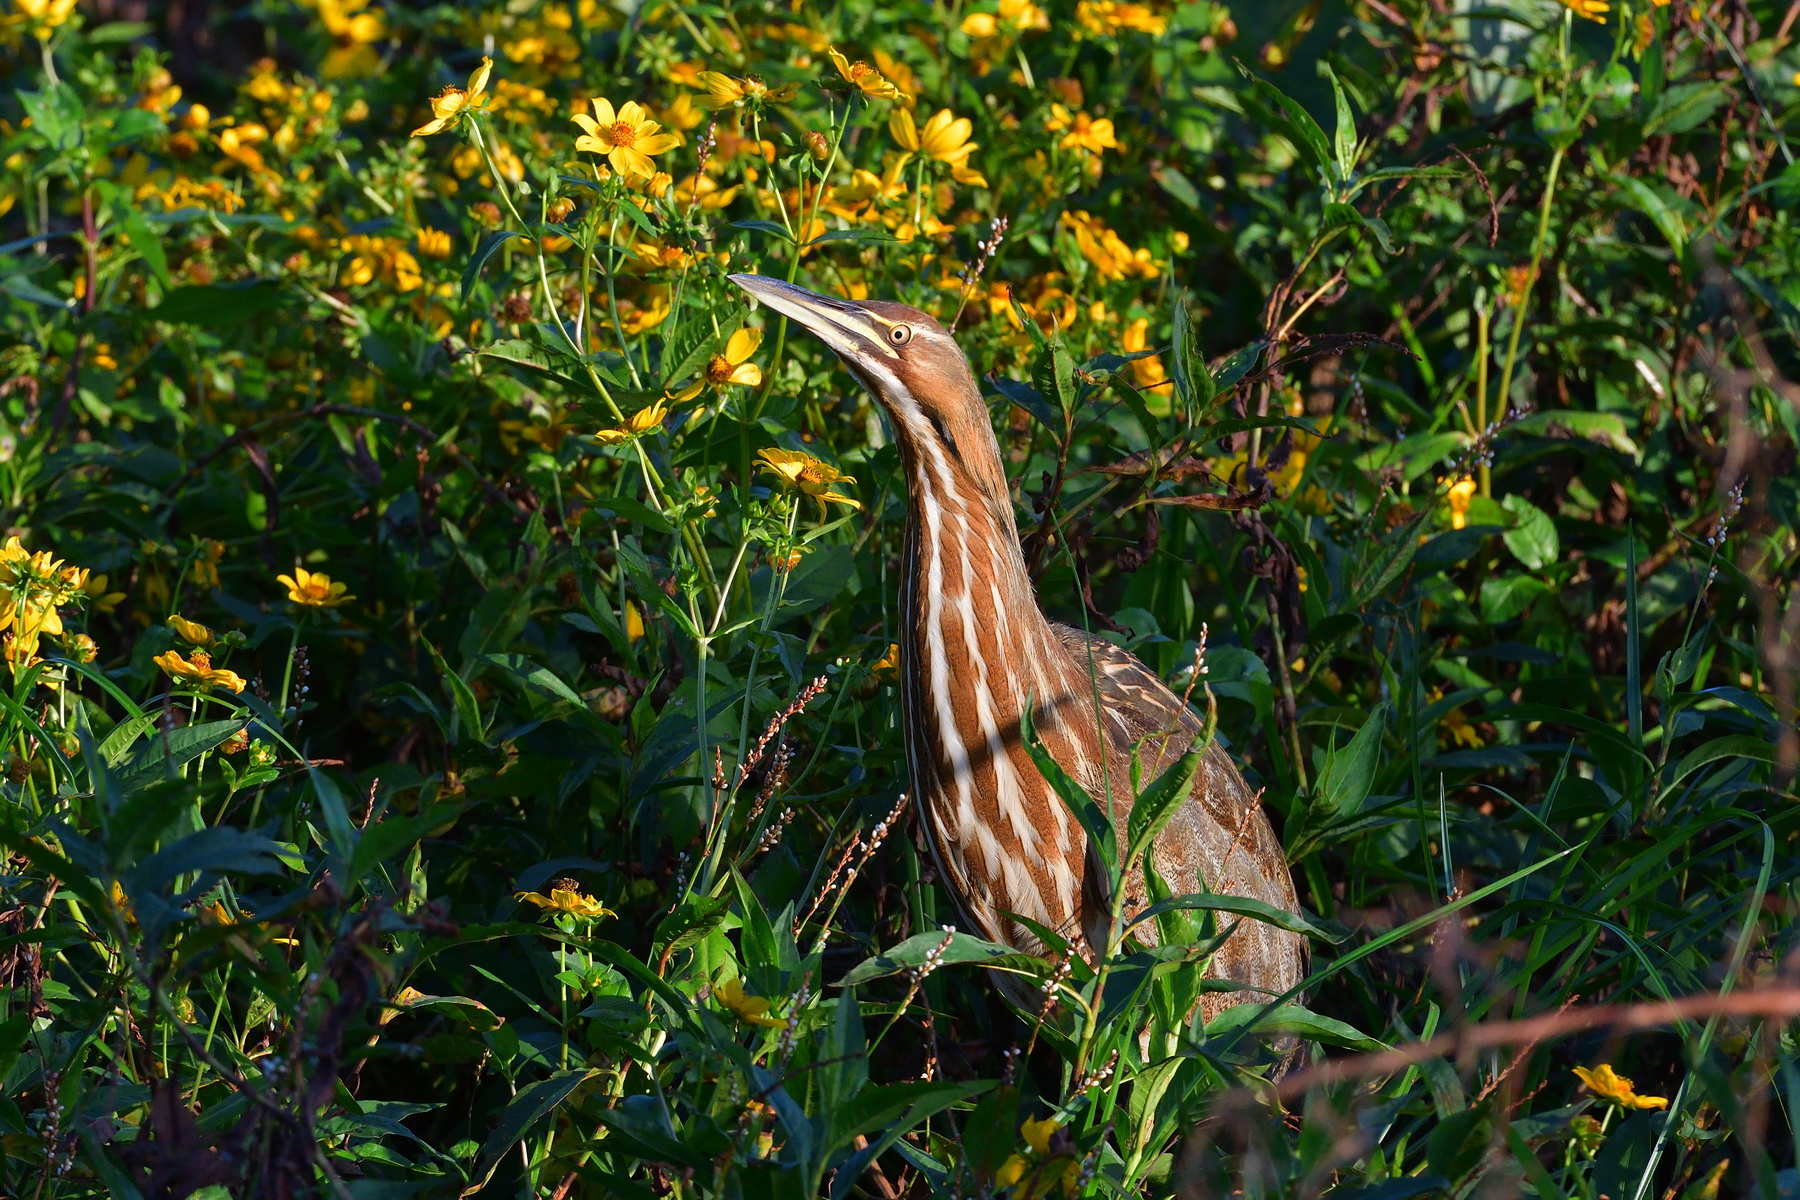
976,650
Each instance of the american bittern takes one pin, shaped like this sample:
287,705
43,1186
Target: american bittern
975,649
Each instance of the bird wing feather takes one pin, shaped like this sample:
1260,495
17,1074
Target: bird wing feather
1222,838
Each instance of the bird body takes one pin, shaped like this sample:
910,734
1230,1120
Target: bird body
977,652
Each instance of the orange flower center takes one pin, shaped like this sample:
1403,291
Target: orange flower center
719,369
621,134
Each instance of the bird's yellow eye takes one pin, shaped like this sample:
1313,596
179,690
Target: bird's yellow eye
900,334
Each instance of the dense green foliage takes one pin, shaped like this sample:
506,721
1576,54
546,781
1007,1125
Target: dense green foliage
1430,366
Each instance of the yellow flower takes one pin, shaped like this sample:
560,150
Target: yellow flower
434,243
1017,15
1011,1171
314,589
866,78
798,471
99,599
1461,492
1148,372
191,631
1081,131
733,366
123,904
1038,1133
751,1009
1036,1174
628,138
205,569
888,669
42,17
644,420
198,670
1106,250
1608,1084
567,897
448,106
1592,10
634,622
1101,17
723,91
945,136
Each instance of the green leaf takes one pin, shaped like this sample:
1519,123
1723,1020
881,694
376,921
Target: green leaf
1504,597
1683,107
1157,804
957,948
1349,771
165,754
1343,142
1287,118
1294,1020
1027,398
1242,906
1661,212
484,250
768,227
1737,745
637,217
145,240
1177,185
468,709
536,677
219,305
123,736
686,353
532,1104
690,923
472,1013
1231,425
1533,538
1194,384
56,115
1237,366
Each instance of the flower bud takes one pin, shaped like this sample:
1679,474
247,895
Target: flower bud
817,145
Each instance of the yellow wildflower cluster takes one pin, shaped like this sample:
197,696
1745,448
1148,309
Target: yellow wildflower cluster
1081,131
32,588
1011,17
1106,250
386,260
39,18
1103,18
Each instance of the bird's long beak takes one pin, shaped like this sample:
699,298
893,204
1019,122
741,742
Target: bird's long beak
845,326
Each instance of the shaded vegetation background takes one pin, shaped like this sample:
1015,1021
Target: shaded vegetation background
1432,362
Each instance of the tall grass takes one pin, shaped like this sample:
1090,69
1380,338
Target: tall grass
542,830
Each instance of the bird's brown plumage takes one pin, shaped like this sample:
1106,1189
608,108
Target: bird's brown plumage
976,650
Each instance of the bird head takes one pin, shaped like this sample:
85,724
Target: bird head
907,361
